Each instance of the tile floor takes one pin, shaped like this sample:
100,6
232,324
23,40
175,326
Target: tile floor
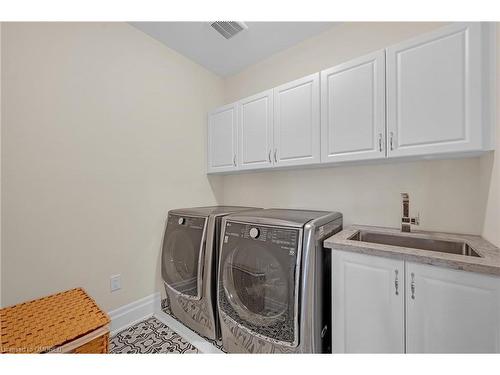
153,336
149,336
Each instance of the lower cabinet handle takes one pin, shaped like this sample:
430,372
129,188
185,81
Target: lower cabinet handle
269,156
412,286
380,142
392,141
396,282
275,157
234,160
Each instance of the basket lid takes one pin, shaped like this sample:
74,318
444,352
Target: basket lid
43,324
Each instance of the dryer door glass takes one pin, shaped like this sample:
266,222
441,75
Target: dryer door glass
182,249
258,289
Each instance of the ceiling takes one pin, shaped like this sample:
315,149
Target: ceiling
202,44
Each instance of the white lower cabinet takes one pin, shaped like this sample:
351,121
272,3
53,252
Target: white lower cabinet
447,311
368,304
450,311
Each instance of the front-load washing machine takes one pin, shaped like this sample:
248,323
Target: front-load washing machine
274,281
189,265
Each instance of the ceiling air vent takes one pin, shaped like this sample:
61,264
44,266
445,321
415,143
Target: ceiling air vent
228,29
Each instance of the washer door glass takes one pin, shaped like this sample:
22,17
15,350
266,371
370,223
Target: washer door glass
256,284
258,279
182,247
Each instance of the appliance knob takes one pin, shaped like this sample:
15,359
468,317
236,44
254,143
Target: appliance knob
181,221
254,233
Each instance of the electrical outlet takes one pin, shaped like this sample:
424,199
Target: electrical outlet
115,283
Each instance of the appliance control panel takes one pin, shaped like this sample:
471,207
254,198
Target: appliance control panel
285,238
191,222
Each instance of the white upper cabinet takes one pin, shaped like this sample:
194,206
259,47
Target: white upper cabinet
368,304
430,96
256,131
353,110
450,311
434,92
296,122
222,139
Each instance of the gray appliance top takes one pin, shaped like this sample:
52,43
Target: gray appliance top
210,210
277,216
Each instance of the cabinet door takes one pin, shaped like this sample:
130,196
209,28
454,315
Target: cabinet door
434,92
450,311
353,110
368,304
222,139
296,122
256,131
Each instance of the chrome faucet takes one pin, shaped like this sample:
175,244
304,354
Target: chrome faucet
406,220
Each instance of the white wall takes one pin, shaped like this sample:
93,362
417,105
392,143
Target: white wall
490,170
103,133
1,304
448,194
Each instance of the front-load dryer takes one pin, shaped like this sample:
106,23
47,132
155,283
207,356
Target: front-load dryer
274,281
189,265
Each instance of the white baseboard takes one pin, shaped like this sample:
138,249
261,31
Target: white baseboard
125,316
197,341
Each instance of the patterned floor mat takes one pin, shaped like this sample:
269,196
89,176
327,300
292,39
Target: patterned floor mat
149,336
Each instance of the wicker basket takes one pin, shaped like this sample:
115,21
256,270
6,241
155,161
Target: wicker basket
67,322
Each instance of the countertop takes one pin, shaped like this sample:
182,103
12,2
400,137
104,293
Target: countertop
488,262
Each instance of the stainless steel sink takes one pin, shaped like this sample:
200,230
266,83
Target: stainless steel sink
450,247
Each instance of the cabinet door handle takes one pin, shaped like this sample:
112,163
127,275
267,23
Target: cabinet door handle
275,156
269,156
391,141
412,286
380,142
234,160
396,282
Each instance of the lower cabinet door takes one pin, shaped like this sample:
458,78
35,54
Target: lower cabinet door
450,311
368,304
